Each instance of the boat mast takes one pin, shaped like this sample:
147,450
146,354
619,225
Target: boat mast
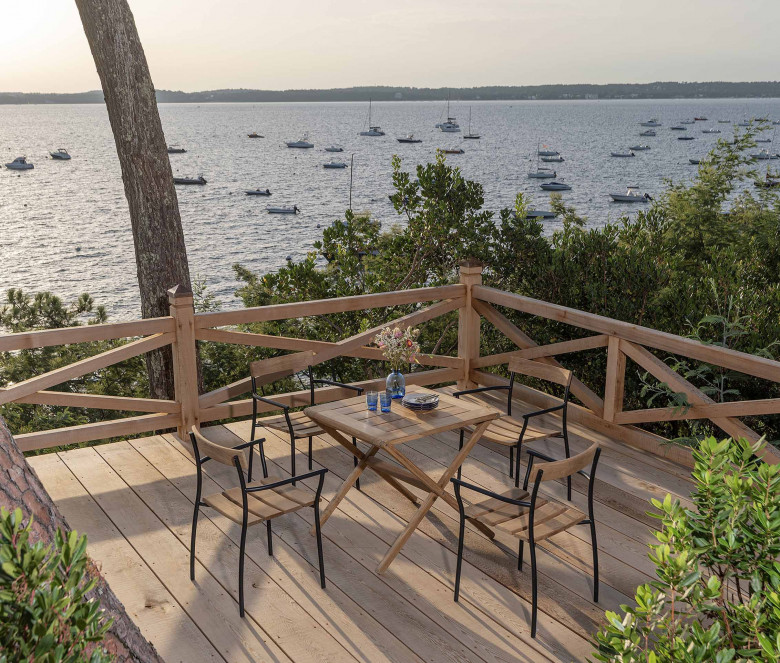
351,171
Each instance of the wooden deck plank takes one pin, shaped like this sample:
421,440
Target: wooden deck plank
148,603
424,559
206,601
293,566
291,627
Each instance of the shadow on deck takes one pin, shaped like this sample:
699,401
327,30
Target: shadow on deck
134,501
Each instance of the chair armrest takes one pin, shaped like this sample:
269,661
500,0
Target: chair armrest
259,440
539,454
488,493
477,390
269,401
545,411
285,482
333,383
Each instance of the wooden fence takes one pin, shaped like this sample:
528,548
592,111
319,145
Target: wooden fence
475,304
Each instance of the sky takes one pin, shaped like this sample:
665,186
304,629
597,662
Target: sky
284,44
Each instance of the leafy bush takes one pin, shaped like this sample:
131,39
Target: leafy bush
45,615
717,597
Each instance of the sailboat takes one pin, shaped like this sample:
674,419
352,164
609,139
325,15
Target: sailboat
372,131
450,126
469,134
541,172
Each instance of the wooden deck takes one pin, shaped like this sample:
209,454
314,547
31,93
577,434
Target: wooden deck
134,501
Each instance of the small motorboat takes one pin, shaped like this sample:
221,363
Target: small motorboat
454,151
764,155
258,192
649,132
700,119
409,138
189,180
555,186
710,131
744,123
539,214
543,174
694,162
20,163
724,121
372,131
60,155
763,140
630,196
303,143
686,137
334,148
283,210
172,149
653,122
334,164
556,159
687,122
639,148
769,182
254,134
622,155
547,153
678,128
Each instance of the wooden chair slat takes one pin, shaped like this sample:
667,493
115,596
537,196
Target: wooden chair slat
556,525
492,504
299,495
229,509
563,468
218,452
541,371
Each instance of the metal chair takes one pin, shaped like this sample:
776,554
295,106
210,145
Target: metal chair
534,519
296,424
511,432
251,503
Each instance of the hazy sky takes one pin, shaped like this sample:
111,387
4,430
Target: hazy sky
279,44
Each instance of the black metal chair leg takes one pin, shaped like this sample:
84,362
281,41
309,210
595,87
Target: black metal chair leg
310,448
461,534
292,457
242,548
460,446
192,538
532,547
511,462
319,543
355,463
520,550
270,539
566,449
595,546
517,466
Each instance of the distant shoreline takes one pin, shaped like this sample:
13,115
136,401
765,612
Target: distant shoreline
562,92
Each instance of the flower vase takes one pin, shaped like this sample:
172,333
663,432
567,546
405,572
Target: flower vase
396,384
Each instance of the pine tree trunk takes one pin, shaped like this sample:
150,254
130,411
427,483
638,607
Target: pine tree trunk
20,487
160,254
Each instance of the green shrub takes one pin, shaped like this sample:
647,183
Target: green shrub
45,615
717,597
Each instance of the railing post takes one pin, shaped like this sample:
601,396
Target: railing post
468,321
615,382
185,365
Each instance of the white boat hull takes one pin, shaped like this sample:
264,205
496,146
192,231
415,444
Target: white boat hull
622,198
282,210
542,175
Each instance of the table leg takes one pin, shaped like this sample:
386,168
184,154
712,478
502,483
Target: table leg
404,536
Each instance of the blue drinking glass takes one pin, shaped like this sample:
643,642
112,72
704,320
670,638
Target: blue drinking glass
372,397
385,400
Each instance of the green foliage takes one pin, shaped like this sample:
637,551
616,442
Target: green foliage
717,596
45,615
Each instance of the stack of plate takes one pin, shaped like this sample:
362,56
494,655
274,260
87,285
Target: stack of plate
420,402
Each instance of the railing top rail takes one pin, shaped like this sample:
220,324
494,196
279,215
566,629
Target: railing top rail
326,306
85,333
742,362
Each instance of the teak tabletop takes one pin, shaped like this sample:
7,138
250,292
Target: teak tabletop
349,418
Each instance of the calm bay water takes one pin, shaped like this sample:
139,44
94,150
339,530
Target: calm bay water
64,226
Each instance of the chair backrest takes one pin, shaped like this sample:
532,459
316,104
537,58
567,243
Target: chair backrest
217,452
266,371
558,469
541,371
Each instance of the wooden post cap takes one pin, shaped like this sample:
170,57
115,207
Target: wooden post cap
471,263
179,292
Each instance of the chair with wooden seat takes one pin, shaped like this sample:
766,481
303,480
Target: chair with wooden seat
250,502
512,432
296,424
531,517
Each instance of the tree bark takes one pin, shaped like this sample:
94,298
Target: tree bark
20,487
160,254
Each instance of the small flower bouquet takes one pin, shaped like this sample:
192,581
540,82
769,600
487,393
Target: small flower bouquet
399,346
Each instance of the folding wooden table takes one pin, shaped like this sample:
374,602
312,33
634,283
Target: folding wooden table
387,432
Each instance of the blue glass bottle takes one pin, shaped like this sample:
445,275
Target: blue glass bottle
396,384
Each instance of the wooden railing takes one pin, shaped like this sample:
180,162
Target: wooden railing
474,302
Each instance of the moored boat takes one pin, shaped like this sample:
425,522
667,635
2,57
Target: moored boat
60,155
303,143
639,148
542,174
555,186
622,155
173,149
283,210
710,131
653,122
334,164
254,134
20,163
454,151
685,138
190,180
409,138
649,132
258,192
334,148
556,159
630,196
